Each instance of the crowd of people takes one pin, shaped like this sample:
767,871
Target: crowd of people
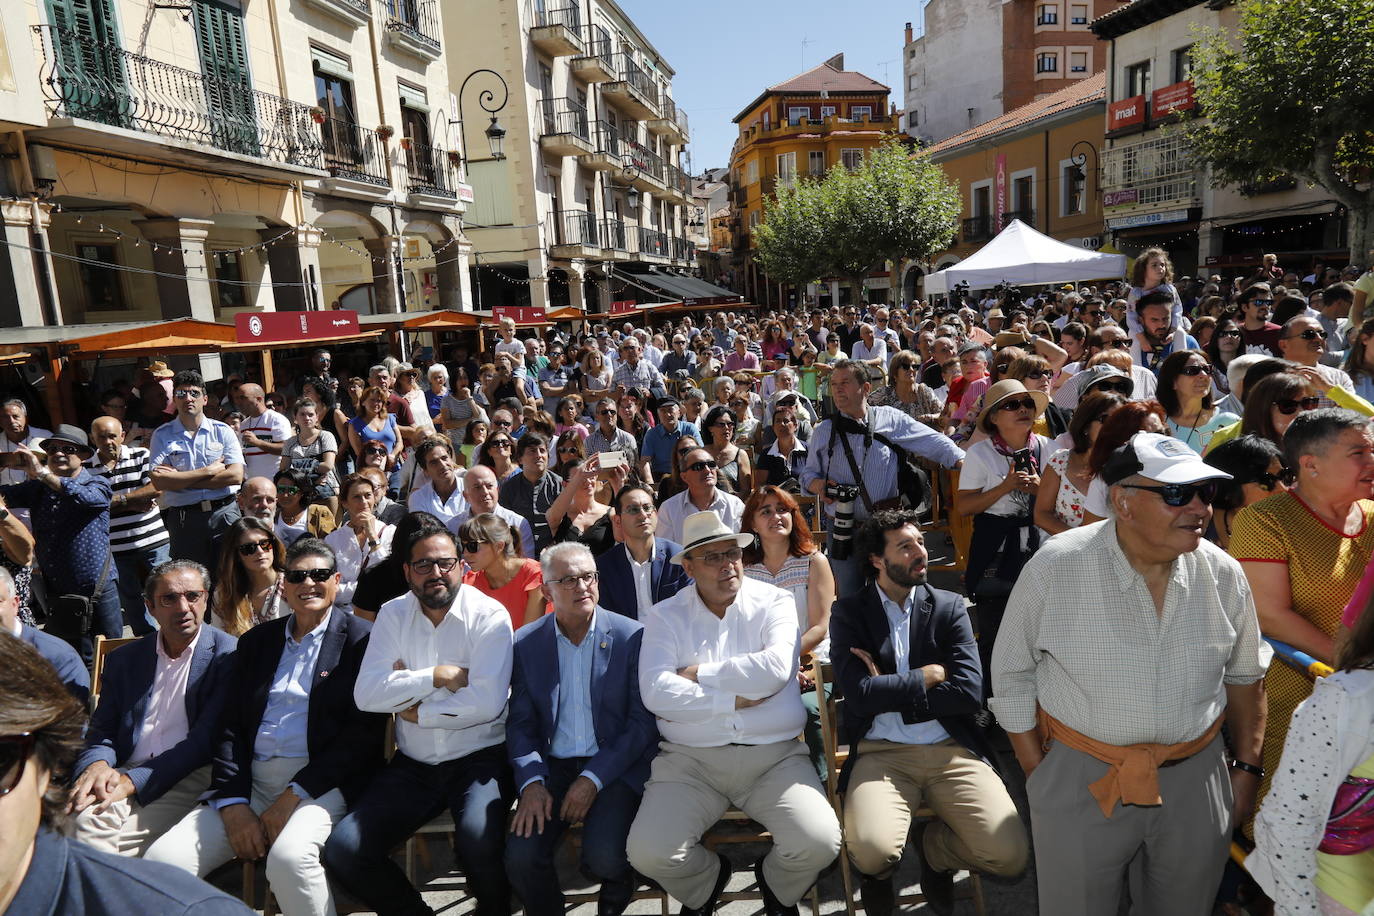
587,575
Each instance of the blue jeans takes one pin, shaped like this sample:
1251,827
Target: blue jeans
851,574
106,619
529,860
403,797
133,567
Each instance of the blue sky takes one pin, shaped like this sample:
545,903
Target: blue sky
728,51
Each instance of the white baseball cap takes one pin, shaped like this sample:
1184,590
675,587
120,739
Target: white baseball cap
1158,457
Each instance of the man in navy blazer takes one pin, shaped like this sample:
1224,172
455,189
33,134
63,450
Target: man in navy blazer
58,652
635,574
578,737
148,747
906,661
294,749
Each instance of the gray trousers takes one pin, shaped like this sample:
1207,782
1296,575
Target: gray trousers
1175,852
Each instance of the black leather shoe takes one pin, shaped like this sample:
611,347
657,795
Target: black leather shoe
709,907
771,904
937,886
877,895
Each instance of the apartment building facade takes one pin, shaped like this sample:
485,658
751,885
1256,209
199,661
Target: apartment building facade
592,180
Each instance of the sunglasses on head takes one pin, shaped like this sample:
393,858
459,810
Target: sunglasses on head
297,576
1192,369
1287,477
1290,406
1017,404
253,547
1181,494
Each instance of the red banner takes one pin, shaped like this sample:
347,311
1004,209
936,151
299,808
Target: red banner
1120,198
1000,191
1169,99
520,314
624,307
289,327
1126,113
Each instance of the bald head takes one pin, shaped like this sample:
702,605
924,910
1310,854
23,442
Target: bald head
258,498
253,399
480,489
107,435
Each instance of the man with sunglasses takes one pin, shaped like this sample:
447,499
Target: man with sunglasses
440,660
699,473
296,749
607,436
197,467
1303,340
151,739
1258,333
1124,647
635,573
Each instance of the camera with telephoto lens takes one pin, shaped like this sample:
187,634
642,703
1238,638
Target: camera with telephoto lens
842,526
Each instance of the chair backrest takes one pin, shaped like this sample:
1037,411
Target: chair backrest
823,673
103,647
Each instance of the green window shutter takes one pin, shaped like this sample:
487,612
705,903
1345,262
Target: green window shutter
85,41
231,111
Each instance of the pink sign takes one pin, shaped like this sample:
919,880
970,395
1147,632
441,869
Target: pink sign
1000,195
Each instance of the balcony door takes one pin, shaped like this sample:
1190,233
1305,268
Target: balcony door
230,108
420,157
89,61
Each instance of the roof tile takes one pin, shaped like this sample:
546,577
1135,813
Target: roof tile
1086,90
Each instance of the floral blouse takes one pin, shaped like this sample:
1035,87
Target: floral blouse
1068,502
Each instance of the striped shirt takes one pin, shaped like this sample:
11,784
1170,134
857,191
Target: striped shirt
130,531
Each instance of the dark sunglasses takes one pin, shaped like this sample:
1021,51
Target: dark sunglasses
1264,302
253,547
297,576
1039,374
1118,344
504,424
702,466
1181,494
499,443
605,412
1097,314
376,450
14,751
1193,369
472,546
1287,477
1290,406
64,450
1309,334
1119,386
288,491
1017,404
568,450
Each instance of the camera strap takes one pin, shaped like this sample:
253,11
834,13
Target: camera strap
853,466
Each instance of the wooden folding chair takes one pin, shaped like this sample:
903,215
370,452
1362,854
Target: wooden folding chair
835,756
103,647
960,529
743,829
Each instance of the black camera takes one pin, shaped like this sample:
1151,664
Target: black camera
842,526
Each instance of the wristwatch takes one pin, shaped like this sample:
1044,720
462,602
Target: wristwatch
4,513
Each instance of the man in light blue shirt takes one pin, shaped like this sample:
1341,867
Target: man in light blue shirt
656,452
196,466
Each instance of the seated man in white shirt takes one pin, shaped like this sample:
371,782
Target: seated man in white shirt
699,473
718,667
442,495
481,490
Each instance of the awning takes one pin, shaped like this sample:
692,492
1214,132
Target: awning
687,290
435,320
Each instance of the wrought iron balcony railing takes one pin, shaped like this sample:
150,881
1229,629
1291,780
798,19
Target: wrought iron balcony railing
1025,216
417,19
978,228
634,75
564,116
608,139
354,152
99,81
615,235
570,17
599,45
576,227
645,159
431,170
653,242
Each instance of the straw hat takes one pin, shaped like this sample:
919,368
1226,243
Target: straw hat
701,528
158,369
1004,390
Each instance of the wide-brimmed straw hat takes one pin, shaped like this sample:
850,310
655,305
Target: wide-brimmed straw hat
1004,390
701,528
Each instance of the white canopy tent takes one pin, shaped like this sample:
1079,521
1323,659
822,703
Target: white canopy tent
1021,256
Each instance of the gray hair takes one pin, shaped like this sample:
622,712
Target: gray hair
6,584
1236,369
171,567
785,372
1313,431
567,549
438,369
16,402
380,367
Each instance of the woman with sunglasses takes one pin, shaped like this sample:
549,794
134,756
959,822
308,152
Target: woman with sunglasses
1225,345
1257,472
248,581
1033,371
497,453
1185,393
569,451
459,408
298,515
582,511
905,391
631,415
732,463
1305,550
1067,477
1274,402
491,551
362,542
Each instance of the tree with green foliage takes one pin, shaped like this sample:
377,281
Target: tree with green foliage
1292,94
847,224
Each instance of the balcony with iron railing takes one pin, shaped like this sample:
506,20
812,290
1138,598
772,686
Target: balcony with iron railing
576,233
677,184
977,228
616,238
557,31
413,26
354,156
93,86
431,173
821,126
652,243
1025,216
633,89
607,148
649,164
597,62
565,129
683,250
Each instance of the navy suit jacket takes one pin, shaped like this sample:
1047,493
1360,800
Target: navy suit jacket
940,634
345,743
126,688
618,582
626,736
71,670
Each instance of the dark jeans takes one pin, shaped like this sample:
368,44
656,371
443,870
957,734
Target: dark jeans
188,528
133,567
403,797
529,860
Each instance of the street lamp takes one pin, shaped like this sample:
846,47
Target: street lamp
1080,160
495,133
631,192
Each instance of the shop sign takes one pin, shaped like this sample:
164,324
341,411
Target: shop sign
1126,113
1000,193
1170,99
1147,219
1120,198
287,327
623,307
520,314
465,192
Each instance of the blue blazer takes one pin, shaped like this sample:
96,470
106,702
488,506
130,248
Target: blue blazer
940,634
618,582
626,736
127,686
345,743
70,668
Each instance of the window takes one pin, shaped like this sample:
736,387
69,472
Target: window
786,168
796,116
101,282
1137,79
228,277
912,120
751,172
1078,62
1047,62
982,200
1047,14
815,162
768,120
1023,197
1078,14
912,83
1075,187
827,111
860,112
1181,64
851,158
753,219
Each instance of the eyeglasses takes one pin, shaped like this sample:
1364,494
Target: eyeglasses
567,450
64,450
568,583
298,576
1264,302
728,424
720,558
473,546
1019,404
1231,333
1309,334
187,393
639,509
1192,369
1290,406
1117,386
1287,477
14,751
253,547
707,465
173,599
375,450
498,443
605,412
426,566
502,424
1097,314
1181,494
288,491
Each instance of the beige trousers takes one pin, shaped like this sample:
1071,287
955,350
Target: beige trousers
127,828
977,827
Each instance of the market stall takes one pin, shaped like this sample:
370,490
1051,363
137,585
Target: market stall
1020,256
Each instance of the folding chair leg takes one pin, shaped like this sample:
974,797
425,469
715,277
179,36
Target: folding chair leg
250,882
850,907
976,882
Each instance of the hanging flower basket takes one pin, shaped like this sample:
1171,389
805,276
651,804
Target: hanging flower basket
454,158
317,114
406,143
386,131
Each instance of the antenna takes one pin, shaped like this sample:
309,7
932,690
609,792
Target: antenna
804,42
885,64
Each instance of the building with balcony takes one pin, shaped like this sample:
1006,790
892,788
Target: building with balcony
1156,195
232,159
590,189
967,62
824,117
1037,163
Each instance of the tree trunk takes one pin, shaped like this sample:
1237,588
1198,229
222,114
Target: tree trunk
856,290
1362,230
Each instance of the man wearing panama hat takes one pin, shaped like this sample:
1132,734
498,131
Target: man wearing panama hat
718,668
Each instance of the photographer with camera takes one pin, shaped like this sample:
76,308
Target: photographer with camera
862,469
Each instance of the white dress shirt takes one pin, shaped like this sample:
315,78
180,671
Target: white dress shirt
888,726
351,561
675,510
425,499
644,580
164,722
518,522
751,652
476,635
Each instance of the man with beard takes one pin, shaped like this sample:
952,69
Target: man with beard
440,660
1259,334
1158,337
907,662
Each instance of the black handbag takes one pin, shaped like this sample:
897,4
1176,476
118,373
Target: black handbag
70,615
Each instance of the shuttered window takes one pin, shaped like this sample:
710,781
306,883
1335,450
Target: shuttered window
224,63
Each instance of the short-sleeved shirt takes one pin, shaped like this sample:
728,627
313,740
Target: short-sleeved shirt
272,427
130,531
532,501
985,468
181,449
514,595
658,445
307,457
1265,341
